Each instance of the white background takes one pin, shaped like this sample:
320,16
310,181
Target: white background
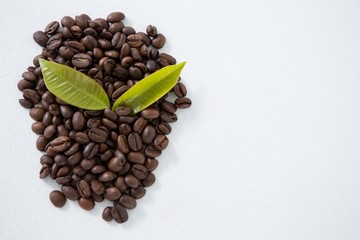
269,149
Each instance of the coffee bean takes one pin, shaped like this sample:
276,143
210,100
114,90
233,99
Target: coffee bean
52,27
38,127
149,180
150,113
82,138
97,135
135,40
60,144
81,60
180,90
139,171
90,150
82,20
138,192
128,30
152,152
123,144
120,73
183,102
119,214
168,106
67,21
140,124
168,117
161,142
115,27
72,150
57,199
83,189
151,30
86,203
24,84
127,201
125,50
135,73
158,41
151,164
37,113
40,38
134,141
112,54
112,194
89,42
123,111
29,76
109,124
148,134
76,46
87,164
131,181
31,95
107,176
44,171
106,214
97,187
70,192
61,160
116,163
118,40
115,17
136,157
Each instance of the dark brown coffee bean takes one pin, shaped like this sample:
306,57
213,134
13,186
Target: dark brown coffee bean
168,117
120,73
115,17
152,152
63,171
125,50
38,127
54,42
76,46
54,170
107,176
37,113
135,73
45,159
44,171
109,124
97,187
61,160
57,199
98,53
119,214
107,155
134,141
135,40
123,111
117,163
131,181
116,27
66,52
168,106
128,30
97,169
110,115
161,142
75,158
163,128
63,180
67,21
24,84
70,192
136,157
29,76
149,180
60,144
41,143
120,184
127,201
123,144
158,41
83,189
148,134
106,214
82,138
97,135
87,164
138,192
81,60
151,30
40,38
89,42
118,40
140,124
151,164
183,102
31,95
82,20
86,203
90,150
150,113
124,129
72,150
93,122
139,171
26,103
180,90
112,194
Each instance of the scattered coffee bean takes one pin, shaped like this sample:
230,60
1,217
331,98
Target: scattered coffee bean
57,199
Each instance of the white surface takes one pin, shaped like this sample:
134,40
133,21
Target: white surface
269,150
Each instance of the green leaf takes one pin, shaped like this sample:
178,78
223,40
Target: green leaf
73,87
150,89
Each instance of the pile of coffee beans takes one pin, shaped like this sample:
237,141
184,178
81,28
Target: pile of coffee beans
100,155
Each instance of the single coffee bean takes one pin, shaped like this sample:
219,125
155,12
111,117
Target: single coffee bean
183,102
40,38
128,30
163,128
119,214
107,155
135,73
70,192
134,141
118,40
151,164
161,142
115,27
119,183
158,41
168,58
112,54
116,163
148,134
66,52
131,181
57,198
168,106
139,171
115,17
136,157
110,115
140,124
38,127
97,187
97,197
106,214
61,160
149,180
125,169
81,60
123,110
123,144
121,73
150,113
67,21
97,135
180,90
63,171
24,84
63,180
112,194
76,46
82,20
32,96
152,152
127,201
72,150
60,144
26,103
44,171
45,159
125,50
82,138
87,164
90,150
151,30
135,40
41,143
168,117
89,42
54,42
86,203
108,123
107,176
97,169
93,122
136,55
83,189
138,192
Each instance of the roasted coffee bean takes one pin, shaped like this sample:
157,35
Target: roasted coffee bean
180,90
83,189
67,21
139,171
110,115
87,164
81,60
82,20
148,134
97,135
151,164
86,203
125,169
70,192
123,110
118,40
54,42
31,95
119,214
97,197
75,158
40,38
149,180
82,138
38,127
89,42
183,102
127,119
151,30
66,52
44,171
168,117
26,103
128,30
63,171
119,183
72,150
60,160
90,150
168,106
107,155
93,122
123,144
125,50
168,58
98,53
135,73
140,124
104,44
120,73
60,144
135,40
116,163
150,113
24,84
152,152
37,113
63,180
158,41
41,143
131,181
136,55
138,192
76,46
54,109
106,214
134,141
45,159
108,123
97,187
116,27
161,142
115,17
107,176
127,201
112,194
57,199
97,169
136,157
54,170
